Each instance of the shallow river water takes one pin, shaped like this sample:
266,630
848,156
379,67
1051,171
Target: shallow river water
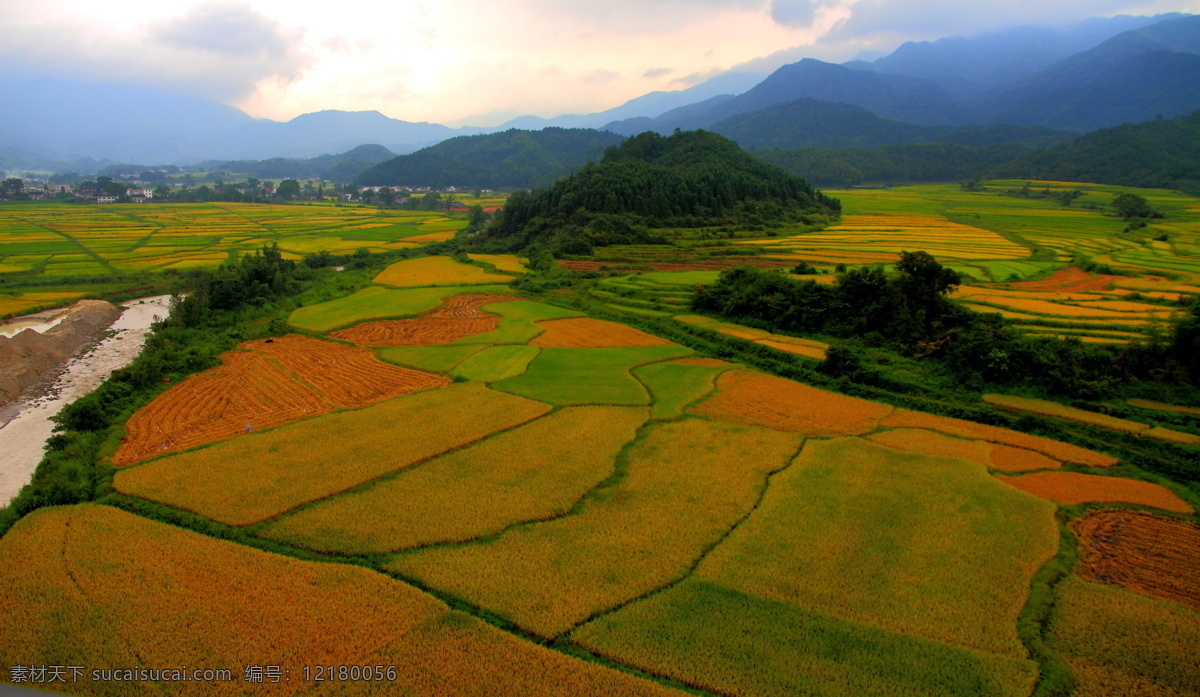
25,426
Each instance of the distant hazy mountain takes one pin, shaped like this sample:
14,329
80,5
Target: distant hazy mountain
893,96
514,158
965,66
1134,76
646,106
814,123
47,120
341,167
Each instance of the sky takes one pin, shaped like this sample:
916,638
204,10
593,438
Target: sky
477,62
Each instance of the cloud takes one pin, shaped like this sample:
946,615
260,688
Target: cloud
938,18
794,12
658,72
599,76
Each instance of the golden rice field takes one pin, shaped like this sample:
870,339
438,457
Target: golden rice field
75,240
435,271
780,342
509,263
260,475
532,472
993,455
757,399
1062,411
585,332
126,591
686,484
1072,488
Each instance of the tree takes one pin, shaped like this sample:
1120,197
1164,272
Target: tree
1129,205
288,189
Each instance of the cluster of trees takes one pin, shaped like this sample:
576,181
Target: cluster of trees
690,179
910,311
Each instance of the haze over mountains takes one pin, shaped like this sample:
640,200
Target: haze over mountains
1080,77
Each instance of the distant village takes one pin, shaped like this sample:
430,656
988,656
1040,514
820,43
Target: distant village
132,189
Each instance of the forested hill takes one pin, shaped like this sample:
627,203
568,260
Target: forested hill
690,179
1164,153
511,159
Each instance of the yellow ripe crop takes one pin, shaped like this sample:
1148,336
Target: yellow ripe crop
1121,643
260,475
503,262
434,271
757,399
532,472
1072,488
924,546
1063,452
923,442
687,483
585,332
122,591
1062,411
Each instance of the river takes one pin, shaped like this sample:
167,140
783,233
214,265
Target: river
25,426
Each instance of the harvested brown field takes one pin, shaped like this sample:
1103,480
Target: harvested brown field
261,386
347,375
1144,553
1063,452
585,332
756,399
458,317
1070,488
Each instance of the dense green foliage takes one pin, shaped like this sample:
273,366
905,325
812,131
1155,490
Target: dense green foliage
814,123
512,159
343,167
690,179
909,311
890,164
1159,154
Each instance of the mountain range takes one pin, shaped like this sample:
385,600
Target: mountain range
1077,78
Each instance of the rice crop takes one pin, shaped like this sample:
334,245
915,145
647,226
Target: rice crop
1062,411
1071,488
458,317
926,546
127,591
531,472
588,376
923,442
675,384
1121,643
585,332
686,483
728,642
254,477
749,397
439,359
496,363
376,302
503,262
434,271
1140,552
1063,452
1009,459
1160,406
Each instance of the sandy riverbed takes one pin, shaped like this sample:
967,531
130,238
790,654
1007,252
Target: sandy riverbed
23,437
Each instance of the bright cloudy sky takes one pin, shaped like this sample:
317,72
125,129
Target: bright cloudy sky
476,62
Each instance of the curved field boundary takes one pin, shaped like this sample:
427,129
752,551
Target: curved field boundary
265,384
124,591
757,399
673,385
376,302
686,483
992,455
460,316
1160,406
589,376
252,478
1071,488
1063,452
1091,418
533,472
1121,643
1144,553
434,271
585,332
809,348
